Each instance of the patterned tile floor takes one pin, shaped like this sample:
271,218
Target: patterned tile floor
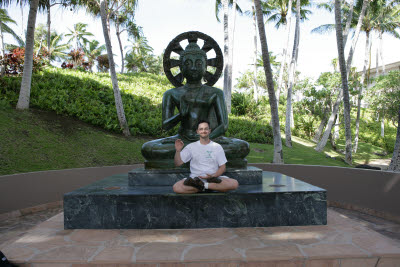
350,239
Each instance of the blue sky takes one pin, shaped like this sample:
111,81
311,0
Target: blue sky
162,20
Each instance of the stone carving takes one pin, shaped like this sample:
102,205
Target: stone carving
194,101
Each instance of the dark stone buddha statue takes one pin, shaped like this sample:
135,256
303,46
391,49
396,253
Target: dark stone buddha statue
194,101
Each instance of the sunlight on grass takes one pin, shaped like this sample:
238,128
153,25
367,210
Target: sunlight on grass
303,141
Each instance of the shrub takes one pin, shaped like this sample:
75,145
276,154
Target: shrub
89,97
14,62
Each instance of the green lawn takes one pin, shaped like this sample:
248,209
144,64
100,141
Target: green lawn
38,140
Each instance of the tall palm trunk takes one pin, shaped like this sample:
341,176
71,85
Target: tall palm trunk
292,70
255,55
381,53
377,62
120,45
48,30
117,95
278,153
348,23
321,127
285,50
227,90
328,128
231,42
25,92
364,83
395,162
2,52
343,74
356,35
320,146
40,46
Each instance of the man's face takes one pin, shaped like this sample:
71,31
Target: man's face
193,67
203,130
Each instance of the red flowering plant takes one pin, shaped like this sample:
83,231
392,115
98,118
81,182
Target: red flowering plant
14,62
76,60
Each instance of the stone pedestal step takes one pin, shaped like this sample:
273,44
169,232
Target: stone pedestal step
112,204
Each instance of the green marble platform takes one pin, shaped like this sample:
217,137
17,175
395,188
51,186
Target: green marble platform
111,203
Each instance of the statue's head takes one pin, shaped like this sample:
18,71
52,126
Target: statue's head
193,63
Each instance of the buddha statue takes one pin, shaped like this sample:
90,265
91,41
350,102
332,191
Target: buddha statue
194,101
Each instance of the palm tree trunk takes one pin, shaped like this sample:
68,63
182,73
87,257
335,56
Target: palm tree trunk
292,71
343,74
48,30
336,126
278,153
231,42
227,91
395,162
285,50
25,92
117,95
348,23
320,146
364,83
40,46
383,125
321,127
120,46
255,55
2,52
381,53
356,35
377,62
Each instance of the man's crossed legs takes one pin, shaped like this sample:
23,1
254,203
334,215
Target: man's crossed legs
194,185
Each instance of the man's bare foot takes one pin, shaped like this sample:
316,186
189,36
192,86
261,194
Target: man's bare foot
215,180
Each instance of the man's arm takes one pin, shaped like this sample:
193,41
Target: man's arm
177,158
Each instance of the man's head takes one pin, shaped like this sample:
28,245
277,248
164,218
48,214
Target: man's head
203,128
193,63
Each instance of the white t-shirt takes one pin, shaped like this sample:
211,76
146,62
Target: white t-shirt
204,159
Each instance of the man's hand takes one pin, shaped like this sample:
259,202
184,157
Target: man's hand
207,176
179,145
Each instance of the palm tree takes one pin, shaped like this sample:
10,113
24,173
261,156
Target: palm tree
4,28
25,92
280,13
40,35
292,70
92,51
228,44
105,12
323,28
79,34
343,74
278,154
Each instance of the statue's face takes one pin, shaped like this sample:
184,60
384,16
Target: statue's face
193,67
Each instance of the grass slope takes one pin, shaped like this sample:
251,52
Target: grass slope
37,140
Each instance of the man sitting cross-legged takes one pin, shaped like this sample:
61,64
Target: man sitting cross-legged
207,164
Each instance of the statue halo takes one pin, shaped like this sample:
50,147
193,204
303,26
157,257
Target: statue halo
209,44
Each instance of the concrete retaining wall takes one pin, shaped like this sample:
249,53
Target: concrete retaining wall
374,192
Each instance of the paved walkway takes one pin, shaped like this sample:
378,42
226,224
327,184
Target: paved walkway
349,239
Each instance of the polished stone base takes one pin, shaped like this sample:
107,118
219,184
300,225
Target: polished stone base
143,177
112,204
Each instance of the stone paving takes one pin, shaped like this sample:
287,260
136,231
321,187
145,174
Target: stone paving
349,239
